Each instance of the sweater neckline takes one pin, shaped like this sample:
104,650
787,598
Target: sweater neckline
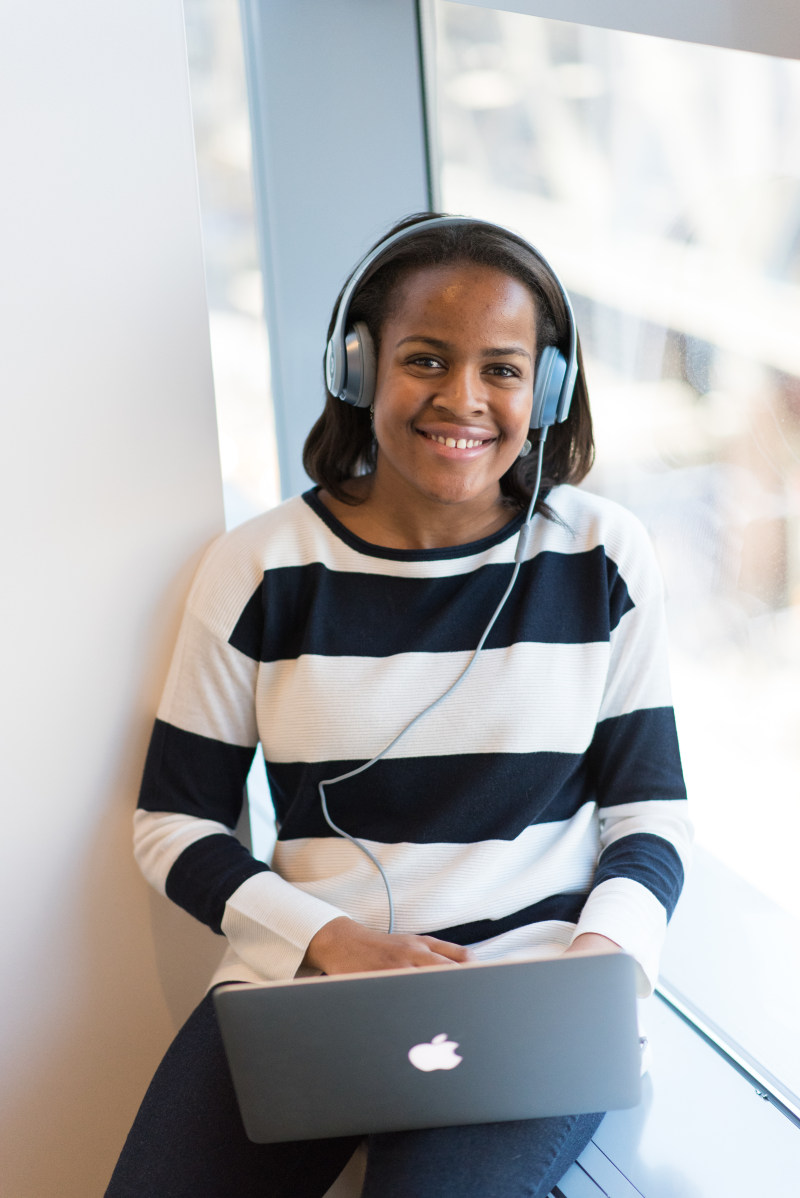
408,555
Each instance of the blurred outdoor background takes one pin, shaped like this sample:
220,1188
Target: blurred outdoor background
662,180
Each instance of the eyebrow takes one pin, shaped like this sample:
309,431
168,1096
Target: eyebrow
494,352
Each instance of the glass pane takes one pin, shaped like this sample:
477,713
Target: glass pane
239,345
663,181
239,341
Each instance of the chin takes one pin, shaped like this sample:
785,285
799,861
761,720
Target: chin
450,490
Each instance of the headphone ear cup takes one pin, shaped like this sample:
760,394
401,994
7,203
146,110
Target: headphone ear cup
359,348
550,374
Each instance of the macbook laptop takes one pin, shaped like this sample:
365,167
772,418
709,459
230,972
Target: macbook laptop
474,1043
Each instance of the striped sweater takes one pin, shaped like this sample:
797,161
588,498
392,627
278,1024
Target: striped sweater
543,799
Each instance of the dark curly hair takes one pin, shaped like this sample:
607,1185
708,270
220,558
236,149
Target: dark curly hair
341,446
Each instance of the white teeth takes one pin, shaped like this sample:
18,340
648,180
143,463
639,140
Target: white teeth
452,443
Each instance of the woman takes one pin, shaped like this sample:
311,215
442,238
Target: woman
535,807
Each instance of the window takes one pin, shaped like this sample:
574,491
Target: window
239,345
239,342
662,179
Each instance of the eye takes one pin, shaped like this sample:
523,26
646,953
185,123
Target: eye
502,370
426,362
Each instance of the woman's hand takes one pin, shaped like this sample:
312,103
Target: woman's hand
590,944
344,946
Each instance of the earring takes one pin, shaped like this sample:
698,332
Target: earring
525,449
372,418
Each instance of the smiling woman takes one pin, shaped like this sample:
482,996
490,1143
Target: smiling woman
452,409
445,261
474,660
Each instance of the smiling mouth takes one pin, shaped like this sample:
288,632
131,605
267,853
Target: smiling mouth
455,442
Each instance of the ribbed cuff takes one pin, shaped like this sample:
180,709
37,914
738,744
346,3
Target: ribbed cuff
269,922
627,913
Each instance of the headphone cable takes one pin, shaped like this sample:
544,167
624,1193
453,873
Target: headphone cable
523,538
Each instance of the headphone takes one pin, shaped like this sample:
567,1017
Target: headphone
351,361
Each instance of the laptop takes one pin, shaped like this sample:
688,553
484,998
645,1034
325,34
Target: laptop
400,1049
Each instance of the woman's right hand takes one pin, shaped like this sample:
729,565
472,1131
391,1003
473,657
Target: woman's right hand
344,946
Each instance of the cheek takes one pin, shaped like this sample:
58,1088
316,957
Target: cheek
395,406
518,416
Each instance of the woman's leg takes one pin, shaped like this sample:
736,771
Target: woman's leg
522,1159
188,1140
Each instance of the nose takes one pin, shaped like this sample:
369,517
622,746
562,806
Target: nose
462,391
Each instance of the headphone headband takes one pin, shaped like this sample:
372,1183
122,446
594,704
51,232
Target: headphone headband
350,365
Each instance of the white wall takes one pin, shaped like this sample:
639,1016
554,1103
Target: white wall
110,487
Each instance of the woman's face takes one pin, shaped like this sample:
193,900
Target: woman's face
455,384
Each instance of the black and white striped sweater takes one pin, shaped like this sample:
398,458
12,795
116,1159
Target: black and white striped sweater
543,799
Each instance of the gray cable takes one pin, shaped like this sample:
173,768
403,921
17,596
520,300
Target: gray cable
519,554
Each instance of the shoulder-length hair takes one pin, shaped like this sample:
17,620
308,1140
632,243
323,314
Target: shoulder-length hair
341,445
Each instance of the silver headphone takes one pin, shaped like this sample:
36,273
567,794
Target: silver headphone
351,362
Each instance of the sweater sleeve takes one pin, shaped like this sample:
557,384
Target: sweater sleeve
645,833
193,787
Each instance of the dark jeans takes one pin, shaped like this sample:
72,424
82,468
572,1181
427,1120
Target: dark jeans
188,1142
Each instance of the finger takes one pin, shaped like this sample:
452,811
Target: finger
436,959
452,952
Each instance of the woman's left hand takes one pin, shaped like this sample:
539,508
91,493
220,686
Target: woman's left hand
591,944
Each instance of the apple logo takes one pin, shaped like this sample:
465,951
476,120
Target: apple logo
439,1054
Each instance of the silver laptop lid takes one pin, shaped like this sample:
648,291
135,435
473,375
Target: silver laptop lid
432,1047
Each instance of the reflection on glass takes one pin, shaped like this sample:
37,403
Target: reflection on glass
663,181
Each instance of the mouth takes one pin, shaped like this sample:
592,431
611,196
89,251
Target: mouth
456,442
